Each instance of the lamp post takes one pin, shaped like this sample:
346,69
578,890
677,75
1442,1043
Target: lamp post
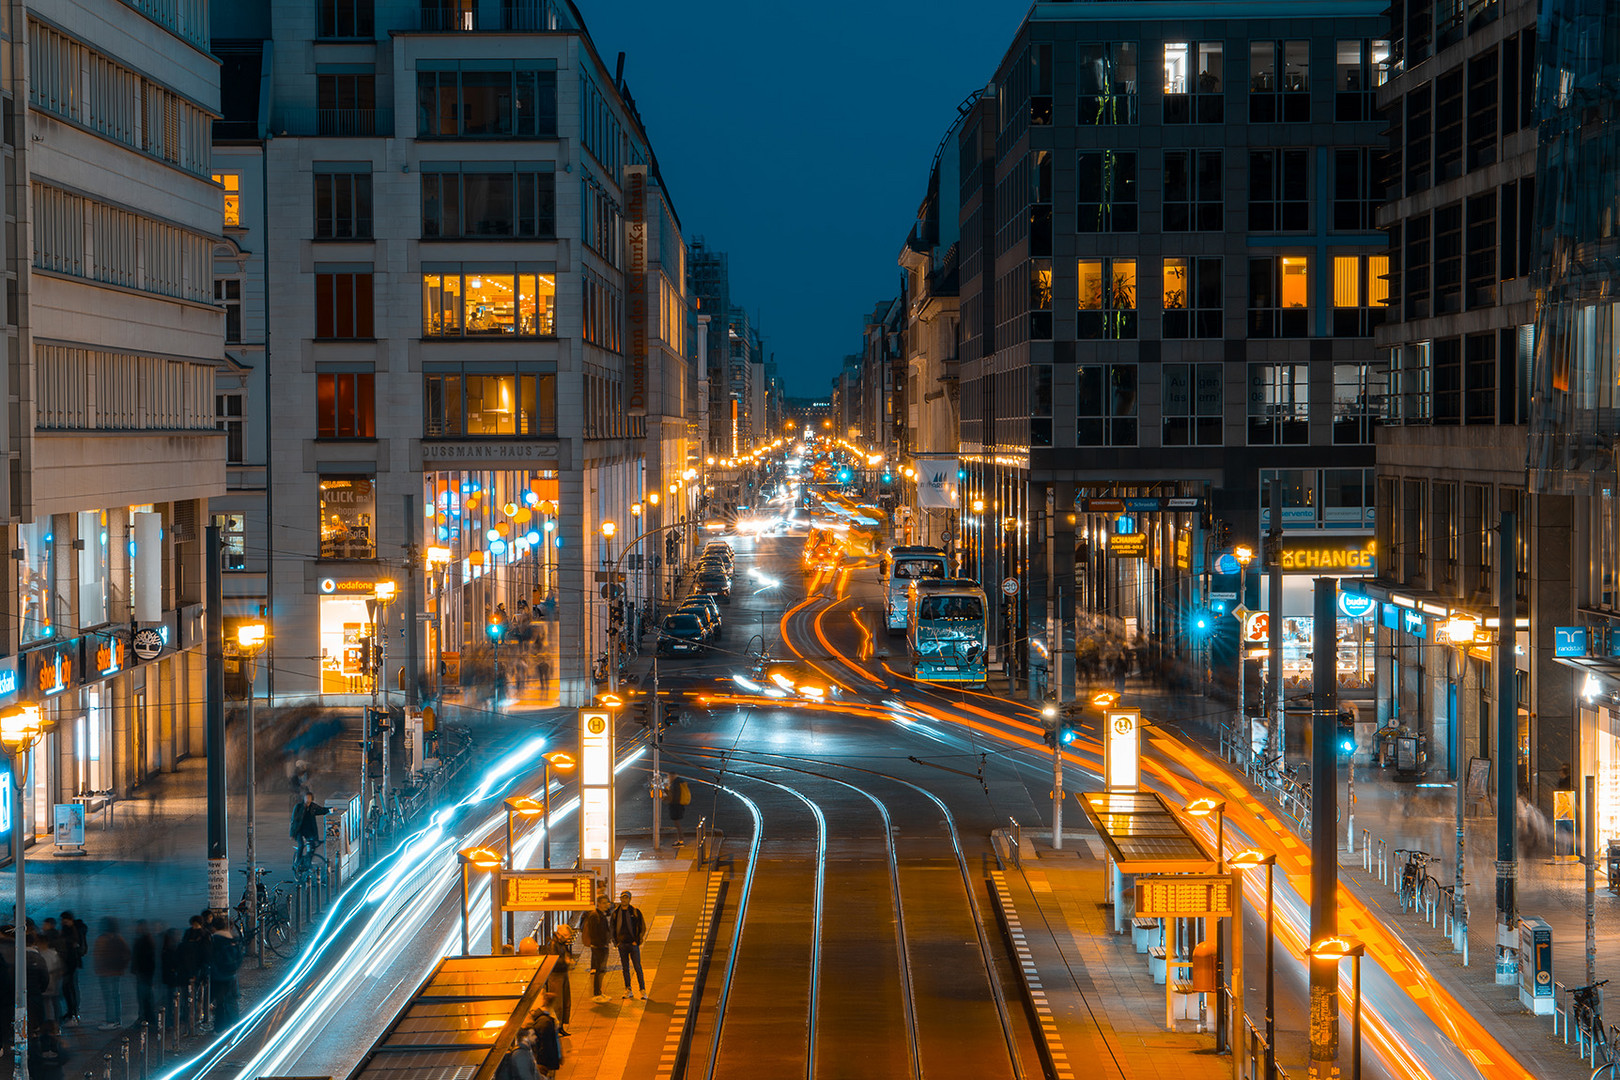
1244,860
1202,808
376,606
1461,630
1244,554
519,806
1333,950
609,529
437,558
563,762
250,640
20,729
480,858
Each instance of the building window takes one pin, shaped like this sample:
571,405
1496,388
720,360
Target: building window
348,511
1040,405
228,418
603,312
1479,373
36,580
1357,192
345,405
1193,199
1194,82
1356,394
342,206
1416,268
508,403
1279,191
1040,202
1279,405
1480,262
1105,406
231,186
346,19
232,541
1194,400
1279,297
1361,67
1360,294
1193,301
1411,383
1107,80
520,204
1107,297
1106,192
228,295
1040,83
346,105
480,101
471,303
1040,299
1279,81
343,305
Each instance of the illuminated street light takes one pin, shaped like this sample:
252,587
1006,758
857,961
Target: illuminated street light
20,729
479,858
609,528
1333,950
1244,554
1245,860
250,639
1202,808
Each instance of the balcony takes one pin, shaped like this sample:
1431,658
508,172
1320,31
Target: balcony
461,16
334,123
448,18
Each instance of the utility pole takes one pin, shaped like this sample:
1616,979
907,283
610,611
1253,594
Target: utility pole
1507,755
1590,813
654,716
1324,1001
1279,737
219,867
413,603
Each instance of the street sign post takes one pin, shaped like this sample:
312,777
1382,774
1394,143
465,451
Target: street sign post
1009,586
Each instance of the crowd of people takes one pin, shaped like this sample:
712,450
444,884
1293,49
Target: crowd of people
168,968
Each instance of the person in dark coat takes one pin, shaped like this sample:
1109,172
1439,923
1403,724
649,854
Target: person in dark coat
73,945
561,946
547,1043
175,977
597,930
307,830
224,960
629,931
143,964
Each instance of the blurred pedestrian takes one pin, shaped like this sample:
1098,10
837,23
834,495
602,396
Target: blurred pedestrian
548,1053
307,831
224,961
143,964
629,931
520,1063
111,959
73,947
175,977
561,946
597,930
48,942
677,797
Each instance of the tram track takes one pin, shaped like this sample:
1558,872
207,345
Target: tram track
923,998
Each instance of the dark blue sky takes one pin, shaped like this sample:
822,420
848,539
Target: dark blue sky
797,138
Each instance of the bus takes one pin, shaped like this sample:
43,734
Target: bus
908,564
948,631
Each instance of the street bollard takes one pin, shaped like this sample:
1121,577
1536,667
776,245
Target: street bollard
161,1034
1383,862
106,1067
1462,930
1366,850
123,1052
146,1061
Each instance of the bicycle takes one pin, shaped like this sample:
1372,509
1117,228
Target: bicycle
304,860
1418,886
272,923
1586,1009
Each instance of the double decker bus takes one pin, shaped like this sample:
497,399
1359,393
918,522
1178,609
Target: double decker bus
948,631
909,564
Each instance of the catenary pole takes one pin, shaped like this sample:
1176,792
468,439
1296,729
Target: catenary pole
1324,999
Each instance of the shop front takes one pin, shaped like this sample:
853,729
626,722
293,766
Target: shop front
346,633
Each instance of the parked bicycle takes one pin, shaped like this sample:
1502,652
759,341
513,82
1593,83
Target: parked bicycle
1418,886
273,925
1586,1010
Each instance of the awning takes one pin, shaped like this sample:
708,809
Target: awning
1144,835
1432,604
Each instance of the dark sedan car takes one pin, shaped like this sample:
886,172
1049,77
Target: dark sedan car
681,634
716,584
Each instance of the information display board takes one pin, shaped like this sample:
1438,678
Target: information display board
1185,896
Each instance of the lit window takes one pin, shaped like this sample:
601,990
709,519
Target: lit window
1295,287
232,185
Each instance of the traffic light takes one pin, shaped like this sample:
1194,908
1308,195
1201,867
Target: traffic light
1061,733
1202,623
672,544
496,628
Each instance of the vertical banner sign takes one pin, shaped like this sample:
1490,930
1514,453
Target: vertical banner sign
936,482
596,831
1122,753
636,215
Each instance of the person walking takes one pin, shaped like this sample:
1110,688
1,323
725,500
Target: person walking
307,830
561,946
143,964
175,979
520,1062
629,931
73,946
678,798
548,1053
597,930
111,959
224,961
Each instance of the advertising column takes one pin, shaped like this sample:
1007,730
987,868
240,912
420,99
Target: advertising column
597,833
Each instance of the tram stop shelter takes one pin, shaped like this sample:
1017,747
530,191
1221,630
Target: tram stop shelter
460,1022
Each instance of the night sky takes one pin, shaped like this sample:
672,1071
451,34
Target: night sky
797,138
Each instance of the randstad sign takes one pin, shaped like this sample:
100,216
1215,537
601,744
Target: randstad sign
936,483
1326,555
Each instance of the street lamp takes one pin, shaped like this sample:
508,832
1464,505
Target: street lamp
382,593
1333,950
519,806
250,639
480,858
1461,631
1244,554
437,557
1202,808
20,729
563,762
1247,859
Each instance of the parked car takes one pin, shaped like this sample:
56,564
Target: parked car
682,634
711,624
719,584
709,601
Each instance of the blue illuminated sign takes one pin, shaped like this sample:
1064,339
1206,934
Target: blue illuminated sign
1226,563
1569,641
1414,624
1392,616
8,681
1355,606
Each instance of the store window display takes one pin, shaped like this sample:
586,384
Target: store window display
348,510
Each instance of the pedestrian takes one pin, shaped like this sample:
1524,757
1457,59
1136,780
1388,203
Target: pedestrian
175,978
111,959
307,830
542,670
561,946
224,961
73,947
597,930
519,1063
678,797
629,931
548,1053
143,964
48,941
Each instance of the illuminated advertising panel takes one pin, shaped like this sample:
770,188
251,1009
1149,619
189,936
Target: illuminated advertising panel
1122,756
